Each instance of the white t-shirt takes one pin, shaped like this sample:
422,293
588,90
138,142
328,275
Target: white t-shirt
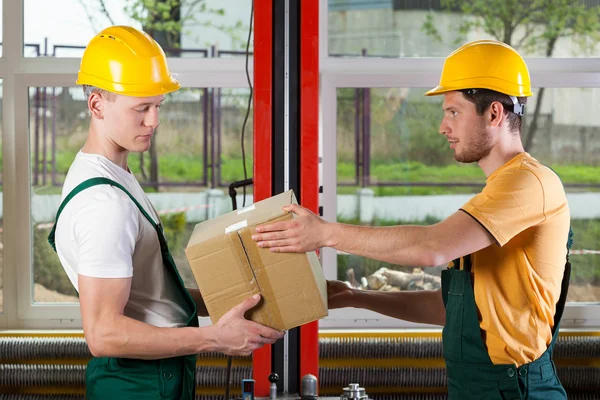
101,233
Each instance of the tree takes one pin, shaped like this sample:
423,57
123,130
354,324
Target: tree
534,26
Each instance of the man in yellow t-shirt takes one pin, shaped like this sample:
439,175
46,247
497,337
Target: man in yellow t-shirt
504,291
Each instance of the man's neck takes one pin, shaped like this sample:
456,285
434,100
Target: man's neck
501,153
97,144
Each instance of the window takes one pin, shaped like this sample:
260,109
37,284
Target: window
394,168
44,122
409,28
1,22
196,147
207,29
1,218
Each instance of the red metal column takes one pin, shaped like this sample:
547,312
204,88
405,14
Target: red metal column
263,87
309,143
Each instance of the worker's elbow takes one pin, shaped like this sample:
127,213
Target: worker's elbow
97,341
437,259
96,346
430,257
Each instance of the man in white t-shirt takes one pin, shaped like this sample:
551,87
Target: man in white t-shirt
139,320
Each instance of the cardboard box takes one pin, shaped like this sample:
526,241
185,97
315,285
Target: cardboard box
229,267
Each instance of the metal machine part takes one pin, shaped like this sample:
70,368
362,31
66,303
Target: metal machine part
354,392
308,387
273,378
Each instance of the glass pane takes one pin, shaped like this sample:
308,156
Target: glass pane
409,28
390,153
1,213
195,154
1,28
186,28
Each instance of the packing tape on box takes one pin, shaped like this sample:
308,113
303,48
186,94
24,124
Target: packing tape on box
246,209
236,226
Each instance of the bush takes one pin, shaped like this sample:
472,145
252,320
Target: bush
174,229
47,269
585,267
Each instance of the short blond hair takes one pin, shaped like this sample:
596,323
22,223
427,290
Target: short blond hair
88,90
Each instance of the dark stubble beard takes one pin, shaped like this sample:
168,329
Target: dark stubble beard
477,146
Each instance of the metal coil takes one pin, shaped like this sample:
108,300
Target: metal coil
32,348
403,396
24,396
579,377
577,347
411,347
25,375
216,376
29,348
402,347
381,377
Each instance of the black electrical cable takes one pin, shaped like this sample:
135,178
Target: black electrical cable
228,378
249,100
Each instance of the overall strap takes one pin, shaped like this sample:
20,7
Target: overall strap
87,184
564,287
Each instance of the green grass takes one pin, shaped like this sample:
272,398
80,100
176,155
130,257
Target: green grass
48,272
186,167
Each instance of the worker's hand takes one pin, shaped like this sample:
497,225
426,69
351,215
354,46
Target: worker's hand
307,232
339,294
237,336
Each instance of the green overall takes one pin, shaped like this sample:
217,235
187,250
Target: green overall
123,378
471,374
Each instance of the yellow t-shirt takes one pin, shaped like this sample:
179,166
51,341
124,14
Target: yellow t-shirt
517,281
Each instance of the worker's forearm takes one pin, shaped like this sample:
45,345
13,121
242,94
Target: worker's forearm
126,337
406,245
425,306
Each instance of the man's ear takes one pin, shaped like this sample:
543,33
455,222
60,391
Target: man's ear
496,114
96,105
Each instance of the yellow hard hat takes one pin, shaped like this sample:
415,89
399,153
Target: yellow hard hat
127,61
485,64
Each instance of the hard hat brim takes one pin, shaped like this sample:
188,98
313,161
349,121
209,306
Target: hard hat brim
438,90
132,90
517,92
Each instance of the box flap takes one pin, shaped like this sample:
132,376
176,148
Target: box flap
252,215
